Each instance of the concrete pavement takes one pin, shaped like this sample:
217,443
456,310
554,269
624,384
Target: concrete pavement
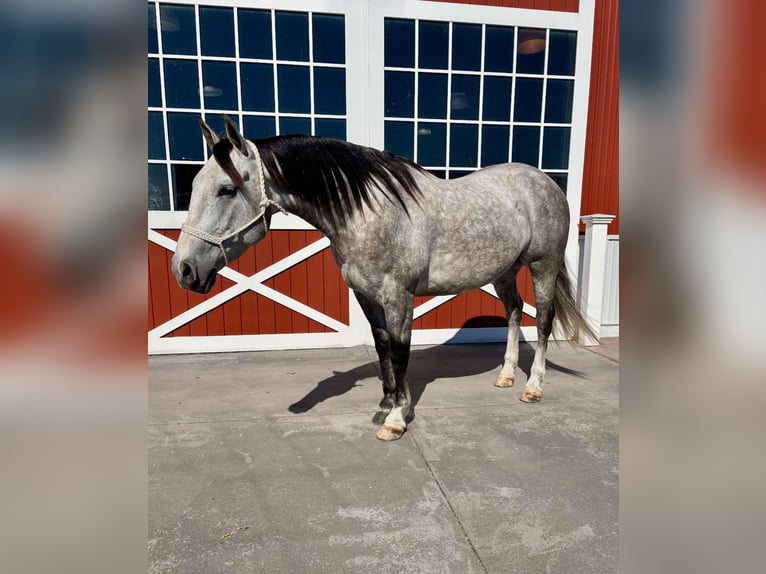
268,462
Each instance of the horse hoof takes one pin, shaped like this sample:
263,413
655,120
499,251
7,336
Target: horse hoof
530,396
504,381
390,432
380,417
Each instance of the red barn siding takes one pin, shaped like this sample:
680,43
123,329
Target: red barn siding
315,282
467,307
554,5
601,186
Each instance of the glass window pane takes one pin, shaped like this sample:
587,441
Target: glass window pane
561,61
330,91
526,145
457,174
399,43
399,94
494,144
159,195
497,99
289,126
432,144
292,36
498,49
561,180
465,97
183,176
440,173
433,42
399,138
156,136
220,85
432,96
329,35
463,145
558,101
331,128
257,87
258,127
181,84
294,89
152,43
155,90
529,100
254,34
216,30
185,137
179,32
530,51
466,47
556,148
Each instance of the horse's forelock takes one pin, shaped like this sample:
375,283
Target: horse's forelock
222,154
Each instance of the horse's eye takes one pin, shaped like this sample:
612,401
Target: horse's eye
227,191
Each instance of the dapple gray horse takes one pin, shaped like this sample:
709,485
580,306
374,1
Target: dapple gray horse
396,231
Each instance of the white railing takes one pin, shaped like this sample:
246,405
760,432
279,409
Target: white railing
598,278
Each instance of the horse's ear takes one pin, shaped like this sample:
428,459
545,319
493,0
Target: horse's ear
236,139
207,132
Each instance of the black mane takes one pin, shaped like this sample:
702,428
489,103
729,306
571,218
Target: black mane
336,175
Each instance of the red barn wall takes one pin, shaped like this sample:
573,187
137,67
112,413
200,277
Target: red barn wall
601,185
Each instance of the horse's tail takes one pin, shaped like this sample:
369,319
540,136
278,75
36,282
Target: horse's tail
567,311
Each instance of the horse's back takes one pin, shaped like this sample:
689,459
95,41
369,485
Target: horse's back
479,225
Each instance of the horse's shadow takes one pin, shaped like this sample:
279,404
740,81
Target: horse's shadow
426,366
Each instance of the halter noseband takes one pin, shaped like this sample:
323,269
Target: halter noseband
266,202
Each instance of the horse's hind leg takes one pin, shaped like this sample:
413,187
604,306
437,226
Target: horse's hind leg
544,275
505,286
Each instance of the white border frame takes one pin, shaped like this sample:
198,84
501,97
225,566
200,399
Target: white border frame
364,125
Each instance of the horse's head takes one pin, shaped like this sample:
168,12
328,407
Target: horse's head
228,211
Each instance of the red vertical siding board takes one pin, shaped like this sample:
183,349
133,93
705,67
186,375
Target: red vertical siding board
473,304
248,303
315,266
331,285
266,308
281,249
178,300
196,328
298,281
160,296
459,314
344,302
149,308
429,320
443,315
314,282
232,310
601,170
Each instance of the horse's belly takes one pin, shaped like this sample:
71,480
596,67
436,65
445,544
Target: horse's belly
451,273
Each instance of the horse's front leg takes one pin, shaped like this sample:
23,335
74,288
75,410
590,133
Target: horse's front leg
399,324
391,323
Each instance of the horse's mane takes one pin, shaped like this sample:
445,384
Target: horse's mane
335,177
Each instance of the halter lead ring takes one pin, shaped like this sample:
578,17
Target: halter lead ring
218,240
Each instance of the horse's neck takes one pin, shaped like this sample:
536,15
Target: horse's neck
296,205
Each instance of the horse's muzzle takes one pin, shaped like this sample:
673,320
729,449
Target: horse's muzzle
189,277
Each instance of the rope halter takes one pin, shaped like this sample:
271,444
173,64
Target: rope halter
265,203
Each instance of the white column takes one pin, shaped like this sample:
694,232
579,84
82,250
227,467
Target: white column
594,272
